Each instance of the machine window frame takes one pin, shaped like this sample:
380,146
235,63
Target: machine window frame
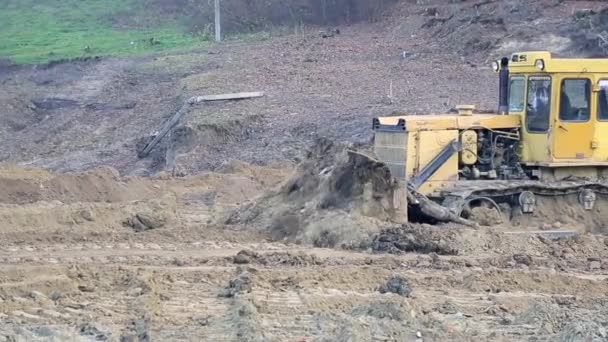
531,78
598,112
524,90
559,106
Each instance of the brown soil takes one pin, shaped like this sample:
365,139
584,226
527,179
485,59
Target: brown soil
309,253
336,196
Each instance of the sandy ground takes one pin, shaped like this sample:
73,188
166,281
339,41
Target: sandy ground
121,250
83,274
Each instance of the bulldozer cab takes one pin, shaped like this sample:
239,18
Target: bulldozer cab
564,108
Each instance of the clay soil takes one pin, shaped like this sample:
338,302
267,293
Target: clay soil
261,235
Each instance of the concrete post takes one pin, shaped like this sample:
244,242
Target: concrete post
218,22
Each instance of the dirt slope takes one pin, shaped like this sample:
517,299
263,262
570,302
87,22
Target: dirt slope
79,115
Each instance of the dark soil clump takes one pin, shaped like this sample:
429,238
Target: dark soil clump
419,239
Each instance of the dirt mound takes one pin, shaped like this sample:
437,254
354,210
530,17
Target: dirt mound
190,143
336,196
502,27
21,186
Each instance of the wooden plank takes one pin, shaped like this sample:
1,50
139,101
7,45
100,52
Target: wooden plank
224,97
160,134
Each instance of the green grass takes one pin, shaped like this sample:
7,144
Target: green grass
39,31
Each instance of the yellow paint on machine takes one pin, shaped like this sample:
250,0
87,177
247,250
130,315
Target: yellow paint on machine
425,136
407,143
433,122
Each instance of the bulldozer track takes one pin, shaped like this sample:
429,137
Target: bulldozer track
495,189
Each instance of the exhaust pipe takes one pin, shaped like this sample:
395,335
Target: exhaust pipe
503,86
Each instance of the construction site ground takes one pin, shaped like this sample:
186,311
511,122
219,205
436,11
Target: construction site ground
100,245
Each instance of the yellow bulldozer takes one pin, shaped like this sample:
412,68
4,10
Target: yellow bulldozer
549,139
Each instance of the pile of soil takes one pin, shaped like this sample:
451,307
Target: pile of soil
488,27
34,202
21,186
337,196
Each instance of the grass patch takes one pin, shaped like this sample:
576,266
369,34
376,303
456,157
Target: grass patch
39,31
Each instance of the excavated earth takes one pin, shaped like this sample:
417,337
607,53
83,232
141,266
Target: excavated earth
263,229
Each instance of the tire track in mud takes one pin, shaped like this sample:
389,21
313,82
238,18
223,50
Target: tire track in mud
174,291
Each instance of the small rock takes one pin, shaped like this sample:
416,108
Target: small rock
594,266
471,263
242,283
88,215
95,331
564,300
557,225
424,261
398,285
244,257
522,259
368,261
86,288
431,11
37,295
151,220
135,292
179,262
143,221
418,334
546,226
56,295
446,308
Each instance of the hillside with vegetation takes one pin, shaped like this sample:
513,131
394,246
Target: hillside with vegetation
34,31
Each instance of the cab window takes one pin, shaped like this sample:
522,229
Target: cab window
517,88
538,104
602,100
574,100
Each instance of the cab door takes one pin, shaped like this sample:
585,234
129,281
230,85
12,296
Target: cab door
573,126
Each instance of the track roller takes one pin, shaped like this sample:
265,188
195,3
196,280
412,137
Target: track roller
587,198
527,202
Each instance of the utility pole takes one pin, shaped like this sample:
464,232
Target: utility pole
218,22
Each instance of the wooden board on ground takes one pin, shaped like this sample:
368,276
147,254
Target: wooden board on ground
224,97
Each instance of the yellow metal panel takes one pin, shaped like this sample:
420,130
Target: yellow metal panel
525,63
448,122
423,147
535,148
468,142
423,122
600,153
493,121
571,140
